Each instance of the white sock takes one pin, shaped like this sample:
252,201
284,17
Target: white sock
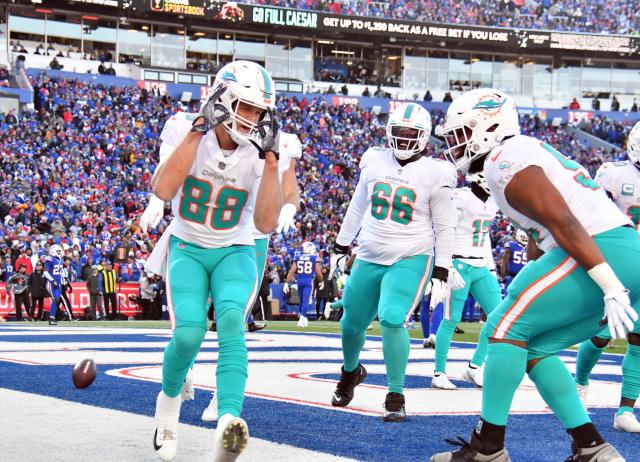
167,408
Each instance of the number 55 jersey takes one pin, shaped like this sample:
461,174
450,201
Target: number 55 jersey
395,205
587,201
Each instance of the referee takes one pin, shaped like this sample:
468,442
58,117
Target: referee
109,285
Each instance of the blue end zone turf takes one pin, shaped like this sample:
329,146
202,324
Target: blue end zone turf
530,438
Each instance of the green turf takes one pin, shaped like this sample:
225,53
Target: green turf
471,329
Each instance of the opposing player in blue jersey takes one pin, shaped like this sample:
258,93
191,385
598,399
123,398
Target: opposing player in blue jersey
514,257
307,269
53,274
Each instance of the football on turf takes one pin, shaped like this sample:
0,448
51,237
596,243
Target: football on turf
84,373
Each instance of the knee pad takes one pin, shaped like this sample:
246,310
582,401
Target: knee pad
187,340
230,323
599,341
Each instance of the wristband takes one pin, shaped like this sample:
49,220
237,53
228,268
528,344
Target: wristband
606,279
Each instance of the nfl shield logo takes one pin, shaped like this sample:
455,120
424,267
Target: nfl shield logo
221,165
399,171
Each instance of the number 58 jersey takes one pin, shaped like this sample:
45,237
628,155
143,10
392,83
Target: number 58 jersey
395,203
586,200
214,206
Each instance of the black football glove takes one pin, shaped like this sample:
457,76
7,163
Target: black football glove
213,112
268,135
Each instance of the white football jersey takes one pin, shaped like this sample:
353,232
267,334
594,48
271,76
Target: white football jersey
587,201
622,181
475,218
214,206
396,205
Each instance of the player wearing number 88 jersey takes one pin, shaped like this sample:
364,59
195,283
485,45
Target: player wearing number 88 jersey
220,185
404,211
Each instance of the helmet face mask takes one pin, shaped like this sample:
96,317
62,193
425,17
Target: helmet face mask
477,122
308,248
55,251
250,91
633,145
522,237
408,130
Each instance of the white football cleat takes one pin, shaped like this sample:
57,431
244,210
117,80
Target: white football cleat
430,341
626,422
232,436
473,375
165,438
583,393
210,414
302,321
188,393
442,382
327,310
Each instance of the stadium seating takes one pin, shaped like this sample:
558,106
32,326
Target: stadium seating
97,148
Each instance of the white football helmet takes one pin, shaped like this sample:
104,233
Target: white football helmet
633,145
411,116
478,121
479,179
522,237
308,248
55,251
250,83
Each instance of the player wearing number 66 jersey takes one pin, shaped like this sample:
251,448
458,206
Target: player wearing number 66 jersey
221,175
588,272
621,181
403,203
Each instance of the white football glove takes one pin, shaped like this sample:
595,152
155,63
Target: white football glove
286,219
439,287
338,253
455,280
285,288
152,214
619,313
439,292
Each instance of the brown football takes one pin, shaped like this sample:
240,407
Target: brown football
84,373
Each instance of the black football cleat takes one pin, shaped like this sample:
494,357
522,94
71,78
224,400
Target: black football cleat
212,328
602,453
253,327
343,393
394,408
467,453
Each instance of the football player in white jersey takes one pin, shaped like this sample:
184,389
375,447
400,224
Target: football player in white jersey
290,149
222,177
588,272
474,262
621,181
399,200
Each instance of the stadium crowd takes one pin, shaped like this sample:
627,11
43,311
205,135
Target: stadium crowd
75,171
599,16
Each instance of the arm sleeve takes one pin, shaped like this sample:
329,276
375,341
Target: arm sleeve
605,177
353,219
443,212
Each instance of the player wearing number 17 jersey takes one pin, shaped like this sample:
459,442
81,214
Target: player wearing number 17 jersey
621,181
474,262
590,251
222,177
400,198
